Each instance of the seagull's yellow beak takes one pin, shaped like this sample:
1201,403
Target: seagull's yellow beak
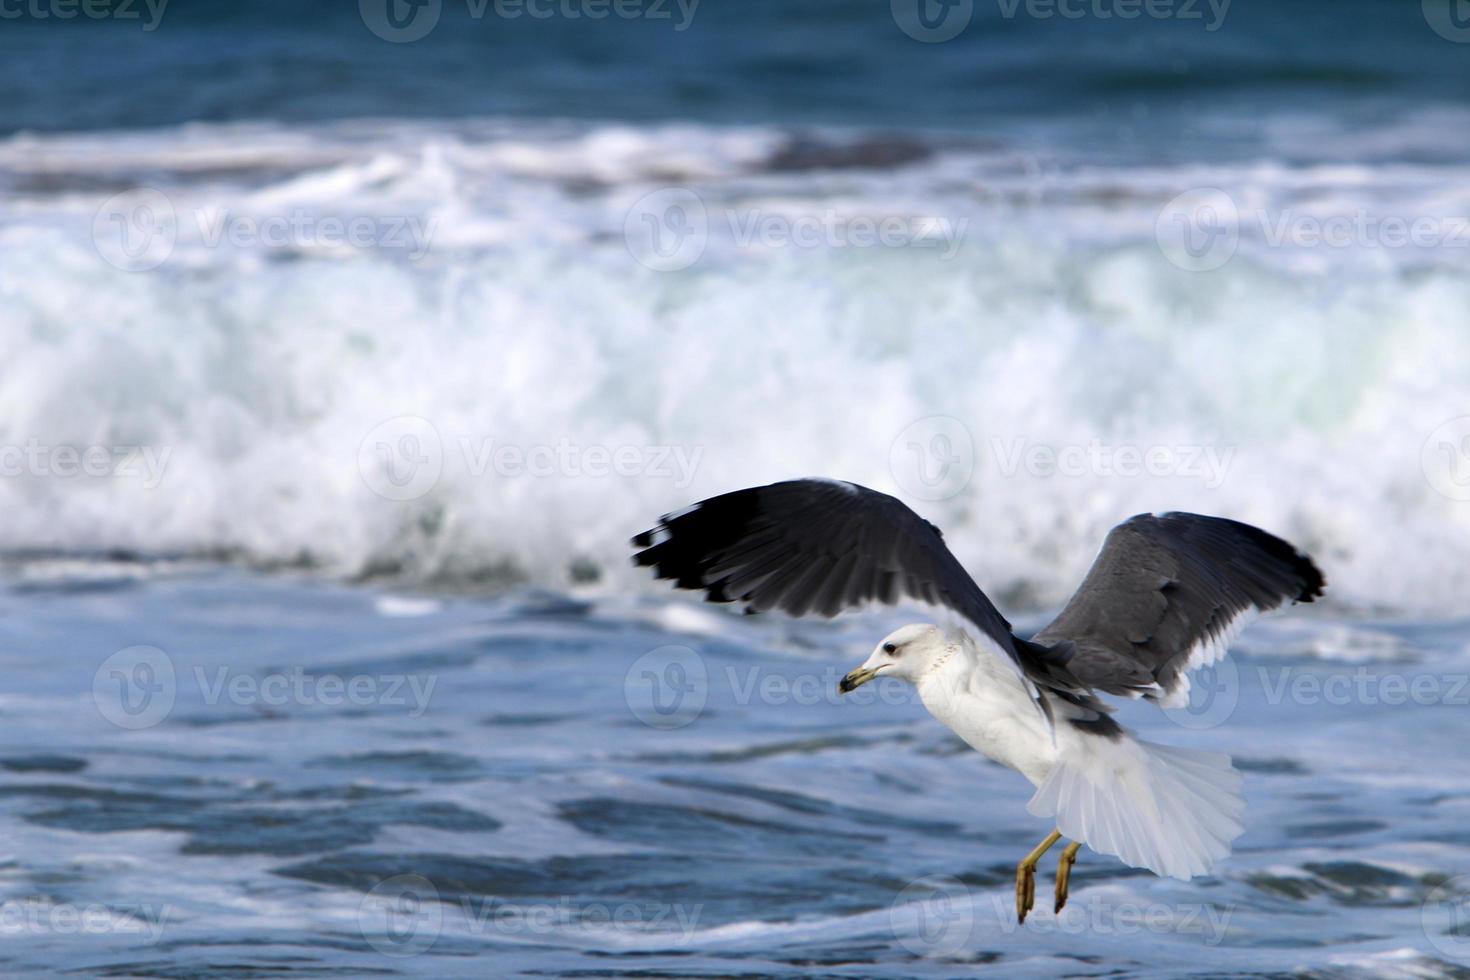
856,679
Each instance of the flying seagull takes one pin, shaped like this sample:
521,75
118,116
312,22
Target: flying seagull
1166,595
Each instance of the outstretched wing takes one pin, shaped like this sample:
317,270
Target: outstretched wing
1166,595
814,546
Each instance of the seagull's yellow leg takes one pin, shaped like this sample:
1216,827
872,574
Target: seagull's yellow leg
1026,875
1064,872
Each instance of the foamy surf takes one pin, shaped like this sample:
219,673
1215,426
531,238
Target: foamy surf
491,387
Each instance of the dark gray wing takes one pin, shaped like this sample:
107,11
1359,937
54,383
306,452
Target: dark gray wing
814,546
1166,594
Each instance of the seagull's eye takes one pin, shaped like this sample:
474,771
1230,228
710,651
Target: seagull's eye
889,648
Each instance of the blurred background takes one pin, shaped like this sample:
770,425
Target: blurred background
355,341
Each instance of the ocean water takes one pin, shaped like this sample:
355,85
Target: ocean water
339,370
282,777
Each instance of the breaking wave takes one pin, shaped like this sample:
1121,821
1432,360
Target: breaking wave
492,351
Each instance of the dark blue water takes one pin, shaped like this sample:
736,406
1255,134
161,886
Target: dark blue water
228,776
1151,82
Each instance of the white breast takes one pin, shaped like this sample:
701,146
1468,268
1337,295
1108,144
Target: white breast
978,696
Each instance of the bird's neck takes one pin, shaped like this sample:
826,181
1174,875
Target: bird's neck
944,675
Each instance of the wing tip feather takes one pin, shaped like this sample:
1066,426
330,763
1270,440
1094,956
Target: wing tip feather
1314,583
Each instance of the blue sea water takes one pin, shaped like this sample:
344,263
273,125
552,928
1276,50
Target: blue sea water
287,778
1156,83
322,651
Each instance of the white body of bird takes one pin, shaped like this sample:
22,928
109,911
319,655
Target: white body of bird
979,696
1173,811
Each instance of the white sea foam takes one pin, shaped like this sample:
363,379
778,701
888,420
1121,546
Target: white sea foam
504,392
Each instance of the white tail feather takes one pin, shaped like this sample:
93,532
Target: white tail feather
1173,811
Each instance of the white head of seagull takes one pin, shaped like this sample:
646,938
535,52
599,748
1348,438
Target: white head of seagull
907,653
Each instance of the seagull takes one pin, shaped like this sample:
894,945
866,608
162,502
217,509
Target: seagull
1166,595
